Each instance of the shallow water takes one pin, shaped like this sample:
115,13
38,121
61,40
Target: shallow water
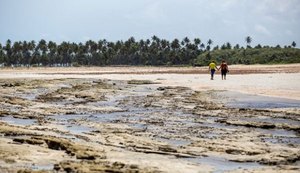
79,129
42,167
64,118
241,100
271,120
222,164
70,125
173,126
17,121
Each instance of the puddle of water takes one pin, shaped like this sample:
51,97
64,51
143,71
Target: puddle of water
277,135
277,132
79,129
27,96
68,117
108,117
34,167
212,135
241,100
133,115
18,121
138,126
31,94
66,120
63,85
280,136
220,126
222,164
271,120
42,167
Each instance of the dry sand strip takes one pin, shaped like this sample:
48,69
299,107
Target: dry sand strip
234,69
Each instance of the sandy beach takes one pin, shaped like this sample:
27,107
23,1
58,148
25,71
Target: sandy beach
270,80
150,119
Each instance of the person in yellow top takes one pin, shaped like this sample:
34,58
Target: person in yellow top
212,68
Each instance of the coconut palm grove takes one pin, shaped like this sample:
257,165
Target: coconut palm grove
154,51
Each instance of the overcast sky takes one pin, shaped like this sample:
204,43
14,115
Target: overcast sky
268,22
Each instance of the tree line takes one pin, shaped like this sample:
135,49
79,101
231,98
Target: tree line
154,51
251,55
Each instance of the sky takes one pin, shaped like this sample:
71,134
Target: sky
267,22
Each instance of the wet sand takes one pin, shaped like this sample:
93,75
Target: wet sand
144,122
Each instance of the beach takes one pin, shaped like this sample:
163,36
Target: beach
150,119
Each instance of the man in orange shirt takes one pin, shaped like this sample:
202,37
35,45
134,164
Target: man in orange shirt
224,69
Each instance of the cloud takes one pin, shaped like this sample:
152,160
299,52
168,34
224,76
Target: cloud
154,12
289,32
220,20
277,8
261,29
229,3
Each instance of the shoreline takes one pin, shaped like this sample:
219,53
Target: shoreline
234,69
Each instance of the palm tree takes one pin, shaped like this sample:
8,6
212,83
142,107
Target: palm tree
258,46
209,43
16,53
185,41
197,42
8,51
294,44
237,46
25,53
175,45
31,49
164,44
202,45
52,52
2,55
155,39
228,45
216,48
43,48
248,40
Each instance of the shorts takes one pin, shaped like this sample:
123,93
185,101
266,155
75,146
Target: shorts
223,72
212,71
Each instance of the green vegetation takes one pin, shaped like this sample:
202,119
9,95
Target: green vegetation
154,51
251,56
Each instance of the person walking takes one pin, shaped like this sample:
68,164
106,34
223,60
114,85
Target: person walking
224,69
212,68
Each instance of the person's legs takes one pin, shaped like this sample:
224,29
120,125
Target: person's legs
222,73
212,72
